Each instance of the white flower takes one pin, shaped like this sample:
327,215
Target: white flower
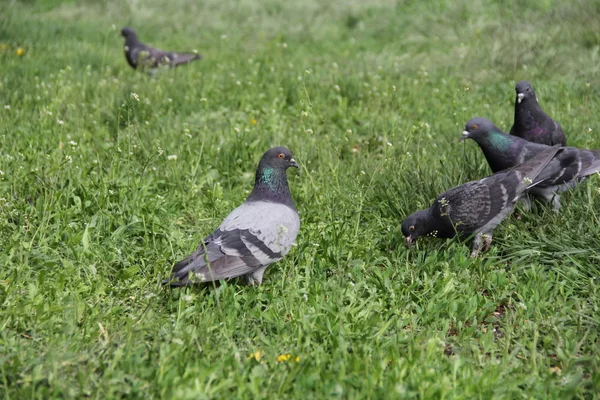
204,99
73,143
135,96
7,107
309,131
172,157
60,121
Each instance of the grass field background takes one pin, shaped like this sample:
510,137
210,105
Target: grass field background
109,176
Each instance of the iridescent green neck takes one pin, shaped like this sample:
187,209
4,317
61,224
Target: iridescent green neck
499,141
271,185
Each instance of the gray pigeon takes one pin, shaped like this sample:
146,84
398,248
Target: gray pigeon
477,207
569,167
259,232
531,122
140,55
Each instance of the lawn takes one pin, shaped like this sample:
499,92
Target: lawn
109,176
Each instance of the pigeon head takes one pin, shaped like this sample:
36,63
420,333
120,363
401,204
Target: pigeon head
128,32
271,179
277,158
416,225
479,128
524,91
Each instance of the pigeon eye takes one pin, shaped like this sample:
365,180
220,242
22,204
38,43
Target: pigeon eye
281,156
411,228
528,89
473,126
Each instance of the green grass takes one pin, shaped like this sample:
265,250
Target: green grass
371,97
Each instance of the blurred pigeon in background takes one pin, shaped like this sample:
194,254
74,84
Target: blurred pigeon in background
142,56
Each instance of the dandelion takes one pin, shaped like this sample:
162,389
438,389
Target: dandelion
172,157
20,52
252,121
283,357
135,96
257,355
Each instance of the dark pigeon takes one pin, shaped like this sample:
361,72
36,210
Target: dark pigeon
477,207
142,56
569,167
531,122
256,234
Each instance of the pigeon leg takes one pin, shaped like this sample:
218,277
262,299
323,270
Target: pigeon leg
255,278
556,203
476,245
526,202
488,241
481,239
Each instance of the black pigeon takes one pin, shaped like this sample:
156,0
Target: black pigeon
569,167
140,55
477,207
259,232
531,122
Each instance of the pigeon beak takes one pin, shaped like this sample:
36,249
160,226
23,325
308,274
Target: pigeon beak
293,163
520,97
409,240
465,135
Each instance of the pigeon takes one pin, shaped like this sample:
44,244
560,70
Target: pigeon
531,122
477,207
143,56
569,167
256,234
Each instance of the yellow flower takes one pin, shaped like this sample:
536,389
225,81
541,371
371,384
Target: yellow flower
297,359
257,355
253,121
283,357
20,51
